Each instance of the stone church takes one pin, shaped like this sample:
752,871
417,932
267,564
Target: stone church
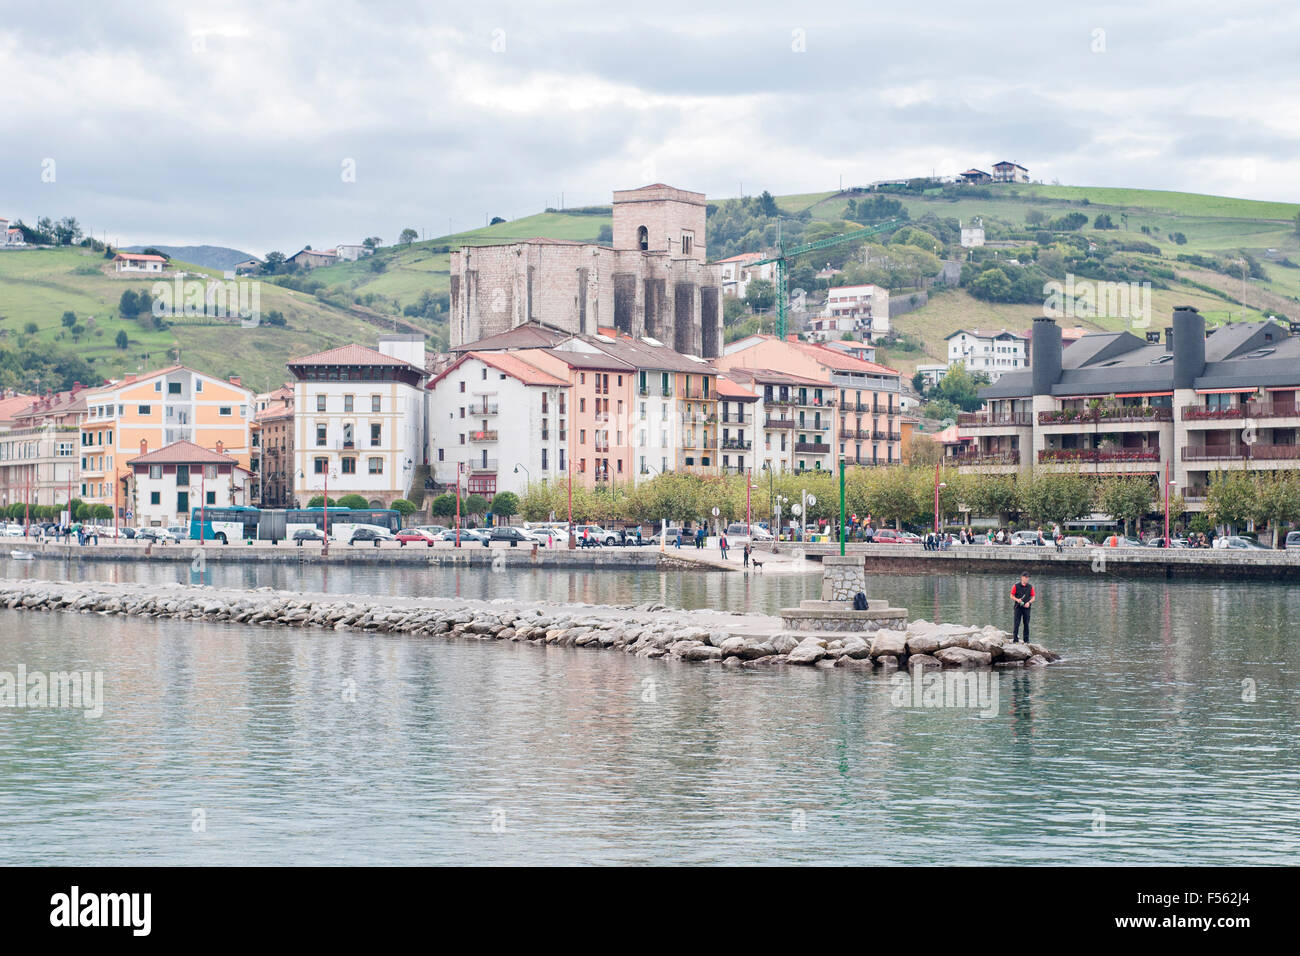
653,282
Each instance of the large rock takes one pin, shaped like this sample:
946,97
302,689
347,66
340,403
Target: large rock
754,650
1041,651
889,643
923,660
963,657
1016,652
922,644
702,652
809,651
784,643
732,646
856,648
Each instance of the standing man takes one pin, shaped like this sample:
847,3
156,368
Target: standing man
1022,593
746,553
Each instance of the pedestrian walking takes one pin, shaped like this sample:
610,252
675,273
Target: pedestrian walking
679,539
1022,593
745,553
722,544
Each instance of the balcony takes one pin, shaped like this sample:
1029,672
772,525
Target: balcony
812,448
689,420
737,444
490,435
699,395
484,408
481,467
1272,410
771,422
1200,413
1085,416
1241,451
986,458
895,436
737,418
987,420
1098,455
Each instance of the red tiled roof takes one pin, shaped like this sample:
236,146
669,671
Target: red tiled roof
183,453
513,366
139,257
9,407
841,362
731,389
350,355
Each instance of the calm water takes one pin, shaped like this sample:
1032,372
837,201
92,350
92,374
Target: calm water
320,747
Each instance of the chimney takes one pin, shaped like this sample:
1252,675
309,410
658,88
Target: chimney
221,446
234,380
1188,346
1169,340
792,337
1045,355
144,446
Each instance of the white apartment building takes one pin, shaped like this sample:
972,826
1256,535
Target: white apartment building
737,273
496,423
992,353
351,252
359,420
861,310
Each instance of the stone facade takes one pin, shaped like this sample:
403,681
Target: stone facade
843,577
646,285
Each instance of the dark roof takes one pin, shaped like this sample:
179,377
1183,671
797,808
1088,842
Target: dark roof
642,354
530,336
351,355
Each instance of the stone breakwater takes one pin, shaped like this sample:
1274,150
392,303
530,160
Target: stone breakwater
648,630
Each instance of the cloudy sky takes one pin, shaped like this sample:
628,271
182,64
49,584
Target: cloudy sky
272,125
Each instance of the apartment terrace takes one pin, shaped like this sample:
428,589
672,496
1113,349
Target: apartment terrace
994,419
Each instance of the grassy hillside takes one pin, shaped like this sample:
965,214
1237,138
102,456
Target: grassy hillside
357,301
38,285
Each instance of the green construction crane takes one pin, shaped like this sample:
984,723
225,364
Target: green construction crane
783,254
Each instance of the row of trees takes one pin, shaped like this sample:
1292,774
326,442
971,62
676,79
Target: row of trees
19,511
900,495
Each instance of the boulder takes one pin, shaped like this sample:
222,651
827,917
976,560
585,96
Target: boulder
1016,652
922,644
702,652
732,646
963,657
808,651
784,643
754,650
916,661
889,643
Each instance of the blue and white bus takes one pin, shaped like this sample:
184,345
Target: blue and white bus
224,524
342,521
245,524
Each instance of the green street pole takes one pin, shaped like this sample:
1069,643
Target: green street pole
841,507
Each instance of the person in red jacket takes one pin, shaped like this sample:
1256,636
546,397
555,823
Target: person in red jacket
1022,593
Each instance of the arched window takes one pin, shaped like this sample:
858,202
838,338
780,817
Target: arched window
642,238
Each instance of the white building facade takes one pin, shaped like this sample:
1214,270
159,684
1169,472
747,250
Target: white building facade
861,310
992,353
359,420
496,423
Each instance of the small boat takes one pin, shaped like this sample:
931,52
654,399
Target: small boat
22,555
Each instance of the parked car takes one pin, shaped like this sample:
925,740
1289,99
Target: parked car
433,529
375,536
13,530
515,536
595,534
466,534
1159,542
890,536
737,534
416,536
308,534
1076,541
160,535
179,531
1239,542
1026,537
1120,541
1293,541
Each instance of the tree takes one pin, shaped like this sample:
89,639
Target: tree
505,504
760,295
1229,499
1276,501
408,236
372,242
922,449
1126,500
960,387
273,263
605,234
495,220
733,310
122,341
404,507
319,502
353,501
1103,221
918,383
993,496
474,505
1035,217
1054,498
69,319
444,506
128,305
992,285
767,205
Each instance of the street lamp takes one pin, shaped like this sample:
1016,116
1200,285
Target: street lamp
779,500
1168,485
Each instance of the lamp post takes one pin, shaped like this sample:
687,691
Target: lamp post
749,507
937,485
779,501
842,515
203,500
1168,484
459,466
572,543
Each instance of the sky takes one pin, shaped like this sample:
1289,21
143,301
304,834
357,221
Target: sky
274,125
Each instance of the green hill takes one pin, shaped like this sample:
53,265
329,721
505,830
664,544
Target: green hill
404,288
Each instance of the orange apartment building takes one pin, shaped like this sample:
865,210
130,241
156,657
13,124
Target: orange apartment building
143,413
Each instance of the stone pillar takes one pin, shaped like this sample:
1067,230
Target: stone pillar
843,577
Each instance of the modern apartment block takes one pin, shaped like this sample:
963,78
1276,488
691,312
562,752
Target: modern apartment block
739,425
359,417
794,419
142,412
1198,402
